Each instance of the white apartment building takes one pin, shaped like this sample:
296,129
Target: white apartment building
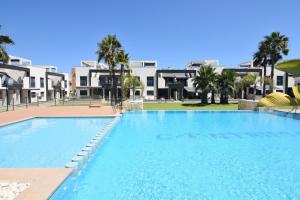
14,84
93,80
22,82
89,81
283,82
146,72
49,68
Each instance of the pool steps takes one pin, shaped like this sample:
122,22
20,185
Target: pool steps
79,160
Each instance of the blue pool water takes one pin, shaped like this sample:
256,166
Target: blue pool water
46,142
193,155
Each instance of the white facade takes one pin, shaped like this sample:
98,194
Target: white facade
146,71
66,85
48,68
93,64
11,81
196,64
37,83
34,87
279,77
81,87
14,60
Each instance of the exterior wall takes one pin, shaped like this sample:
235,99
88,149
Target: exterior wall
143,73
73,81
3,97
66,85
291,80
81,71
40,92
14,60
244,104
49,68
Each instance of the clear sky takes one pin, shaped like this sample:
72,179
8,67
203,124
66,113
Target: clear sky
63,32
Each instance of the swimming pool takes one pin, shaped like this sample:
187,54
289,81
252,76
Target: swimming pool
193,155
46,142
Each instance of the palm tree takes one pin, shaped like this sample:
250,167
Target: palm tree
109,49
123,59
132,83
247,81
268,81
260,58
4,41
204,80
213,88
278,46
226,85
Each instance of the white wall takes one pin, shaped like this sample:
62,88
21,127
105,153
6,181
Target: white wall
82,71
143,73
67,84
38,73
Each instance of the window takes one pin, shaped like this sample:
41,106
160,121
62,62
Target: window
150,92
42,94
66,84
42,82
149,64
83,80
279,80
83,92
150,81
1,95
33,95
137,93
32,82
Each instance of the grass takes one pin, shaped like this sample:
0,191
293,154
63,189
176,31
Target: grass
189,106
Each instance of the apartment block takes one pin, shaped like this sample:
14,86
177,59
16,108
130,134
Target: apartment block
22,82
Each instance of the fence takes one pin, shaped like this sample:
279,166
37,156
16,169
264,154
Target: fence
11,106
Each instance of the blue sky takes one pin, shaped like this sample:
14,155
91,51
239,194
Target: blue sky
63,32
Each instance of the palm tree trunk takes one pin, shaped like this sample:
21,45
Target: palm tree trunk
213,97
204,98
254,92
272,75
113,99
225,98
133,95
122,89
264,83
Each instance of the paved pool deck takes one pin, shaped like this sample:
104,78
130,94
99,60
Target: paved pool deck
44,181
57,111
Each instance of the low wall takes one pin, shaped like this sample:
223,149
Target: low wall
244,104
130,105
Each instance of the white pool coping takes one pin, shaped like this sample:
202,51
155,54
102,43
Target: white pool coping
81,158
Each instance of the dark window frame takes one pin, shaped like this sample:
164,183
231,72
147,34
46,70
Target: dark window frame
83,82
150,81
32,82
150,92
85,91
42,82
279,80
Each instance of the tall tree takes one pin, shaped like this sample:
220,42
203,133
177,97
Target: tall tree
226,85
247,81
278,46
4,41
203,80
132,83
260,58
123,59
109,49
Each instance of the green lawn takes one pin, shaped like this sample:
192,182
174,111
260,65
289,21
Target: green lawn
189,106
